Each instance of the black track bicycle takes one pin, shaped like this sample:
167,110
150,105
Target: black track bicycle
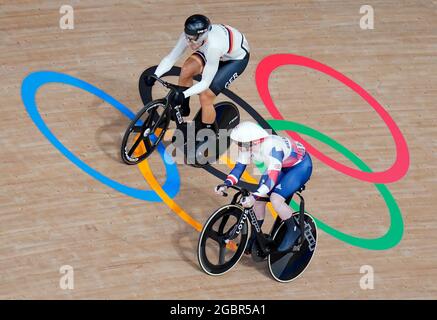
225,235
148,127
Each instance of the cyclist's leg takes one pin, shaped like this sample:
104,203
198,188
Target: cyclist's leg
227,72
260,204
191,67
259,208
293,179
207,99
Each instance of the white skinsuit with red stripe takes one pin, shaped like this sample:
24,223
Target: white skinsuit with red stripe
223,43
276,153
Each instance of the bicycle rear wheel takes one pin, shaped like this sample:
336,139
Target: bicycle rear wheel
145,132
216,255
285,267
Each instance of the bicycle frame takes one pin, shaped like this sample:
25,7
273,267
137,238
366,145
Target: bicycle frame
262,240
175,110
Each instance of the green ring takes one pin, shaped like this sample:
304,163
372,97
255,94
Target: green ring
396,230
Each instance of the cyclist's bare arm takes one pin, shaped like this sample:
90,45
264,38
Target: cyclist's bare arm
168,62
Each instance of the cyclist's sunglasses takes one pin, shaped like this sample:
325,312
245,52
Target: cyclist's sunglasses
245,145
248,145
192,38
196,38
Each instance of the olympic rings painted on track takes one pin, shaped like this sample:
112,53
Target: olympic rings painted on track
395,232
398,169
29,88
172,184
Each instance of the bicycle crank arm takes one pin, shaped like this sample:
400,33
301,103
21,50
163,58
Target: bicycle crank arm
178,115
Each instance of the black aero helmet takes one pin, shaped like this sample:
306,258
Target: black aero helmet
196,25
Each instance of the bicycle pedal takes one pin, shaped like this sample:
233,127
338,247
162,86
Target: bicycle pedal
296,248
257,256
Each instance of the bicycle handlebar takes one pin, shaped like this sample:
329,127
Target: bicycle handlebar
163,82
241,190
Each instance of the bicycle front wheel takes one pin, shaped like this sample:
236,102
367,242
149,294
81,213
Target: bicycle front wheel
216,252
145,132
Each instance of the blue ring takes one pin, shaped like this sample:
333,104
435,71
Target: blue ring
29,88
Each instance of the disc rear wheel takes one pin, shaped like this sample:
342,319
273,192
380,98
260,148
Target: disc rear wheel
287,266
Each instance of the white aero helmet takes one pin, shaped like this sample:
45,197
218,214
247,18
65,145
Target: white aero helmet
248,132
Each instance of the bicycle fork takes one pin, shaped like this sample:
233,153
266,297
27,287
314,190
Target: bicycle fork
239,226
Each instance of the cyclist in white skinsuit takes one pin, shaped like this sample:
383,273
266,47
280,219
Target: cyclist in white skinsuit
221,55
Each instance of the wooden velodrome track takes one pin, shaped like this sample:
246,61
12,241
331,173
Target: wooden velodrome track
53,214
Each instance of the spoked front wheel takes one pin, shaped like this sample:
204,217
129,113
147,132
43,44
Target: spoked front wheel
145,132
216,252
285,267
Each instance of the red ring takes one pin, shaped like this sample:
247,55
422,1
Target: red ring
399,167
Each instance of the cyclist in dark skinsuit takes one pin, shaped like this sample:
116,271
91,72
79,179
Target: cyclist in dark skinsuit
289,167
221,54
